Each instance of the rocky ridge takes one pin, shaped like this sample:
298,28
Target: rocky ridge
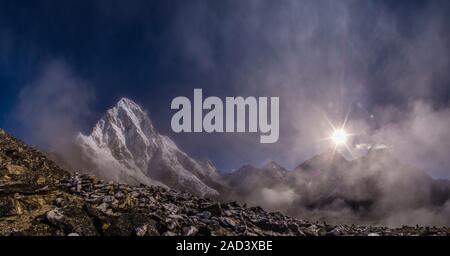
39,198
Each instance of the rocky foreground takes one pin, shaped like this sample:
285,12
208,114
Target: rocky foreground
39,198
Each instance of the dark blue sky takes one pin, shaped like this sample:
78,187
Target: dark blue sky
363,56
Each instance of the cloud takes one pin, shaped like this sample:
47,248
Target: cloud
278,196
376,189
53,107
421,138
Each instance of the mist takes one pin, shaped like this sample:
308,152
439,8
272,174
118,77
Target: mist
54,108
375,189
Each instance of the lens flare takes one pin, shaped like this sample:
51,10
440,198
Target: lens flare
339,137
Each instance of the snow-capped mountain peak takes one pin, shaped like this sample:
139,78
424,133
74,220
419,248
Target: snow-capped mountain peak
127,132
125,140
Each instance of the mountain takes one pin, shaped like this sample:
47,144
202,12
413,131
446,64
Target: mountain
249,177
124,146
374,189
39,198
328,160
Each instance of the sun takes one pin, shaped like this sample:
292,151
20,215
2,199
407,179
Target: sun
339,137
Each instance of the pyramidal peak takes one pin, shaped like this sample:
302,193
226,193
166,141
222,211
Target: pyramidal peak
124,146
125,128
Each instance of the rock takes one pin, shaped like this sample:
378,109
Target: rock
59,202
119,195
293,227
71,220
93,200
73,234
103,207
107,199
204,215
215,209
257,209
141,231
15,169
373,234
41,180
7,207
337,231
5,179
169,233
228,222
152,230
321,232
233,205
171,208
109,212
115,203
171,224
190,231
266,224
229,213
54,215
175,216
312,230
135,194
301,233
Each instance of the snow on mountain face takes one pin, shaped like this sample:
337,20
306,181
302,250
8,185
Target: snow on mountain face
124,146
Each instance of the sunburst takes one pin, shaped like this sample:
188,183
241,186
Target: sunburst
340,136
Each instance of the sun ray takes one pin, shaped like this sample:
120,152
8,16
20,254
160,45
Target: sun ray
346,119
329,122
